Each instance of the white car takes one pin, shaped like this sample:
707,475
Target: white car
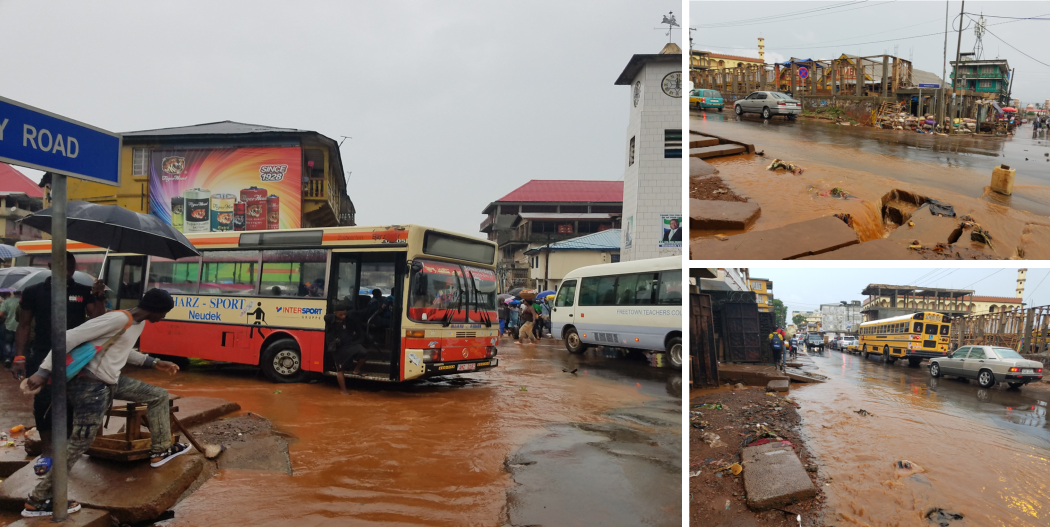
990,365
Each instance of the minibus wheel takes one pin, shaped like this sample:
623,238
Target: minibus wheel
674,350
282,362
573,343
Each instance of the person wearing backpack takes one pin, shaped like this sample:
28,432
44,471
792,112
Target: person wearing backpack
777,343
91,390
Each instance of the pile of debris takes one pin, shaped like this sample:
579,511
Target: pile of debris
964,125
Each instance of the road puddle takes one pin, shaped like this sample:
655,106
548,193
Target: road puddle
431,453
984,454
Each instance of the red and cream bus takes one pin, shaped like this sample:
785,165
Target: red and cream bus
260,298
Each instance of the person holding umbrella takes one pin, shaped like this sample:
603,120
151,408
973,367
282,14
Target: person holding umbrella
84,303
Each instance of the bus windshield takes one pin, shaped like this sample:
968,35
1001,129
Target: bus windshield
450,292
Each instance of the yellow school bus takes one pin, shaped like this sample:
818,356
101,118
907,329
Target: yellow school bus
912,337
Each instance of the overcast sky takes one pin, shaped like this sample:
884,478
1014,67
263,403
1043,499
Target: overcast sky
874,27
806,289
450,106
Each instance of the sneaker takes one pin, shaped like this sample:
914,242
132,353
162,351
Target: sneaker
177,449
42,465
34,509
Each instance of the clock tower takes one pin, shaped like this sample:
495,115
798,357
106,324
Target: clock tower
652,180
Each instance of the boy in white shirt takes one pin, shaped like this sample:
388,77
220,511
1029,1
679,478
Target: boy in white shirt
91,392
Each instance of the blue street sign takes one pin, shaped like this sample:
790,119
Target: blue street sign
803,72
34,138
929,86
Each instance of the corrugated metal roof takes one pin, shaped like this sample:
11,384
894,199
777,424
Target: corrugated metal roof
925,77
567,190
608,240
219,128
14,182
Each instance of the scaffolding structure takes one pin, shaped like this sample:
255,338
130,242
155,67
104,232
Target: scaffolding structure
879,75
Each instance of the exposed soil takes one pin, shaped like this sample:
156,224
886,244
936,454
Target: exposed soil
735,423
234,430
712,188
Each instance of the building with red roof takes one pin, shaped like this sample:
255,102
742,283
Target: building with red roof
547,211
19,196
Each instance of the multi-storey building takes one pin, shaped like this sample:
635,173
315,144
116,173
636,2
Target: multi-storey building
990,77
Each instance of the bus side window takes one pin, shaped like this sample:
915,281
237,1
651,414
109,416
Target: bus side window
607,291
175,276
671,288
589,291
294,272
625,289
566,294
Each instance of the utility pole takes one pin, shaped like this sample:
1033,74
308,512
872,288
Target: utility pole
955,70
944,69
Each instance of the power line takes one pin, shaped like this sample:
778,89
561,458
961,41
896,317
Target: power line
989,276
781,19
1011,17
1017,50
1032,292
778,16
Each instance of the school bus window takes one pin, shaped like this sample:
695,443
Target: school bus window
945,328
917,328
931,329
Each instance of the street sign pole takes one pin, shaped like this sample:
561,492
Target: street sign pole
59,299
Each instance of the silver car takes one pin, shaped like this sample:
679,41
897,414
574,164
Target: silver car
990,365
768,104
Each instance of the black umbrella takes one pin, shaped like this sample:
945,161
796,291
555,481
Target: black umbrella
516,291
118,230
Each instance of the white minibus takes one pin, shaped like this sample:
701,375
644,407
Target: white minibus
635,305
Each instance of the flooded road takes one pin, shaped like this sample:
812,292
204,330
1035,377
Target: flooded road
982,453
435,453
959,163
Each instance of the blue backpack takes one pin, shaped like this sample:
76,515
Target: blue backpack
777,343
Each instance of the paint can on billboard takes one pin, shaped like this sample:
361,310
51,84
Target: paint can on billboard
222,212
254,199
178,204
238,216
273,212
196,212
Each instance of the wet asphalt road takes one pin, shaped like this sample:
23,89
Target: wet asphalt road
906,156
522,444
982,453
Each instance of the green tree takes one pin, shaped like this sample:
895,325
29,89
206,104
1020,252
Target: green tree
781,311
800,320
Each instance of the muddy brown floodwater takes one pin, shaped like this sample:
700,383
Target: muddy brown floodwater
982,453
431,453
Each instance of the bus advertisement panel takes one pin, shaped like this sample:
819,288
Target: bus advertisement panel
229,189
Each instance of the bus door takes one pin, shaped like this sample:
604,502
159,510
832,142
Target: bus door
564,307
124,278
372,283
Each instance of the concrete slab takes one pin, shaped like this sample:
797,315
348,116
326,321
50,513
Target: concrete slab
699,168
699,141
85,517
881,249
749,148
12,459
774,476
805,238
198,410
131,492
749,374
268,453
715,151
722,215
798,375
779,385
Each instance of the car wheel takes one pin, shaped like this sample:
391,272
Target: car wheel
282,362
935,370
985,379
674,350
573,343
765,113
738,110
1015,384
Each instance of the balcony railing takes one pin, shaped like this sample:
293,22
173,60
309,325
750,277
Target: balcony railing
314,188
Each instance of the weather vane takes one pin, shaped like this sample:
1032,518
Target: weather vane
671,22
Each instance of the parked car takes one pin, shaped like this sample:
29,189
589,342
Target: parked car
711,99
990,365
846,342
768,104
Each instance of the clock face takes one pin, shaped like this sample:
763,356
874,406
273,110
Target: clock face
637,92
672,84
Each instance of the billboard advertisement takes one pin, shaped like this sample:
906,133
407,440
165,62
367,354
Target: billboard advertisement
227,189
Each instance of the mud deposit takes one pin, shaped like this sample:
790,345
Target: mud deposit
712,188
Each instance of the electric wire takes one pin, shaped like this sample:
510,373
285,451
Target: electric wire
777,16
989,276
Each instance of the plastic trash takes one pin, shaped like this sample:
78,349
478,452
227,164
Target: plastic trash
941,517
907,468
695,474
786,165
727,504
864,413
939,208
736,469
18,429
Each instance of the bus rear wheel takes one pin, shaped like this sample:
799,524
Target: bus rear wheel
573,343
282,362
674,350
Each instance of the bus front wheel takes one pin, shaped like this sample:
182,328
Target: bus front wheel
282,362
573,343
674,350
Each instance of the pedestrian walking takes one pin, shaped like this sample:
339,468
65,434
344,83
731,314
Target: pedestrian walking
35,311
777,344
8,326
512,324
528,318
91,391
504,314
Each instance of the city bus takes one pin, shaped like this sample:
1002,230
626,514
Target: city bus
909,337
260,298
634,305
